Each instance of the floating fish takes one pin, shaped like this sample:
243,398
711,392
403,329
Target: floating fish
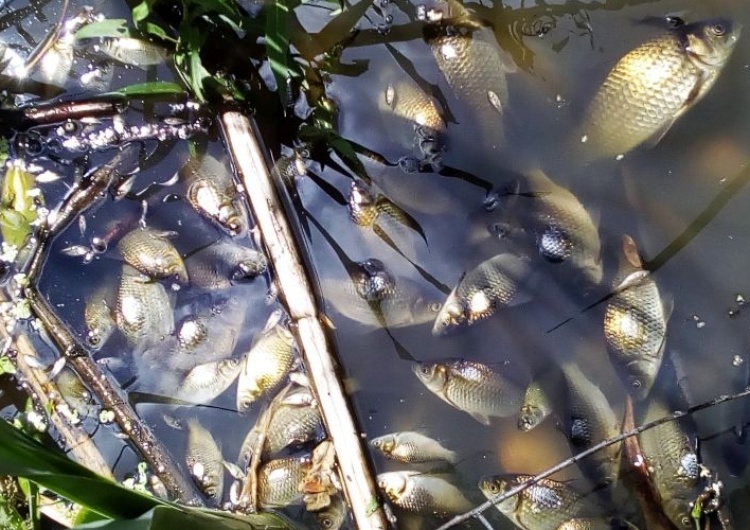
423,494
596,523
99,315
536,406
589,419
472,387
543,506
654,84
143,310
75,393
220,265
279,481
211,193
635,323
204,460
412,447
494,284
151,252
205,382
134,52
332,517
409,102
265,366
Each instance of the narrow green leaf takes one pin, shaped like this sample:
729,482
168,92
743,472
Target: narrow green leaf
111,27
277,45
155,88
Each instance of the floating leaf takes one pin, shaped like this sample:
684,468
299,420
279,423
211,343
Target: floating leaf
155,88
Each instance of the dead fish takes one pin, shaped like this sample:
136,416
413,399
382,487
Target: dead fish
99,315
412,104
472,387
224,263
423,494
543,506
589,419
75,393
332,517
134,52
467,53
494,284
295,422
211,193
596,523
265,366
151,252
279,481
536,404
672,462
566,235
635,323
412,447
205,382
373,297
143,310
654,84
204,460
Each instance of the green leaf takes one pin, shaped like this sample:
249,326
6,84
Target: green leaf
277,44
155,88
142,11
111,27
6,366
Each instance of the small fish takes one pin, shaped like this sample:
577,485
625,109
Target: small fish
134,52
672,461
211,192
654,84
496,283
413,447
566,235
151,252
143,310
205,382
75,393
596,523
423,494
374,297
472,387
220,265
635,324
544,506
409,102
279,481
332,517
536,404
589,419
265,366
99,315
295,422
204,460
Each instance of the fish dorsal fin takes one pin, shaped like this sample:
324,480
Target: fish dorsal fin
630,252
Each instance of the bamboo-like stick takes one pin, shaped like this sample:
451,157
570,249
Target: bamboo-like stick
45,392
251,166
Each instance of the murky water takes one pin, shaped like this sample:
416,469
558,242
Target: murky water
671,198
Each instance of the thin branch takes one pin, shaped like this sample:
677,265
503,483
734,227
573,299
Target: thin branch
580,456
249,160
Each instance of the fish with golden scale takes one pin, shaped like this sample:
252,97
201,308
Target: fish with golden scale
204,460
413,447
152,253
143,309
423,494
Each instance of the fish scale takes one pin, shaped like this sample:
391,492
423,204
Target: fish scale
217,266
143,309
150,252
279,481
204,460
412,447
423,494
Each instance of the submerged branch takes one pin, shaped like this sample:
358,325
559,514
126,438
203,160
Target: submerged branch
580,456
252,168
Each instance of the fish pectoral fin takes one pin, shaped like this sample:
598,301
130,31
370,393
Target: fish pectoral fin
481,418
662,131
667,304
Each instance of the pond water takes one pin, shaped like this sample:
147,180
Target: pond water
450,156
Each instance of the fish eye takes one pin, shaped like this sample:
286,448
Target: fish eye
425,370
493,488
718,29
93,339
326,522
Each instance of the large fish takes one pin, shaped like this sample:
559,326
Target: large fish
279,481
635,323
151,252
204,460
499,282
472,387
412,104
412,447
143,309
206,381
654,84
219,266
423,494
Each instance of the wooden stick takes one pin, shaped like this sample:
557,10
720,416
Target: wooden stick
249,161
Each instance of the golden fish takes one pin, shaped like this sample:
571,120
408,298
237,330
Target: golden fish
204,460
205,382
265,366
143,310
412,447
279,481
472,387
536,405
423,494
151,252
654,84
99,315
635,323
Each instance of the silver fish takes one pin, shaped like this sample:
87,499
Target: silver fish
224,263
134,52
544,506
211,192
472,387
151,252
143,310
265,366
279,481
205,382
536,405
423,494
204,460
635,324
413,447
654,84
496,283
99,315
